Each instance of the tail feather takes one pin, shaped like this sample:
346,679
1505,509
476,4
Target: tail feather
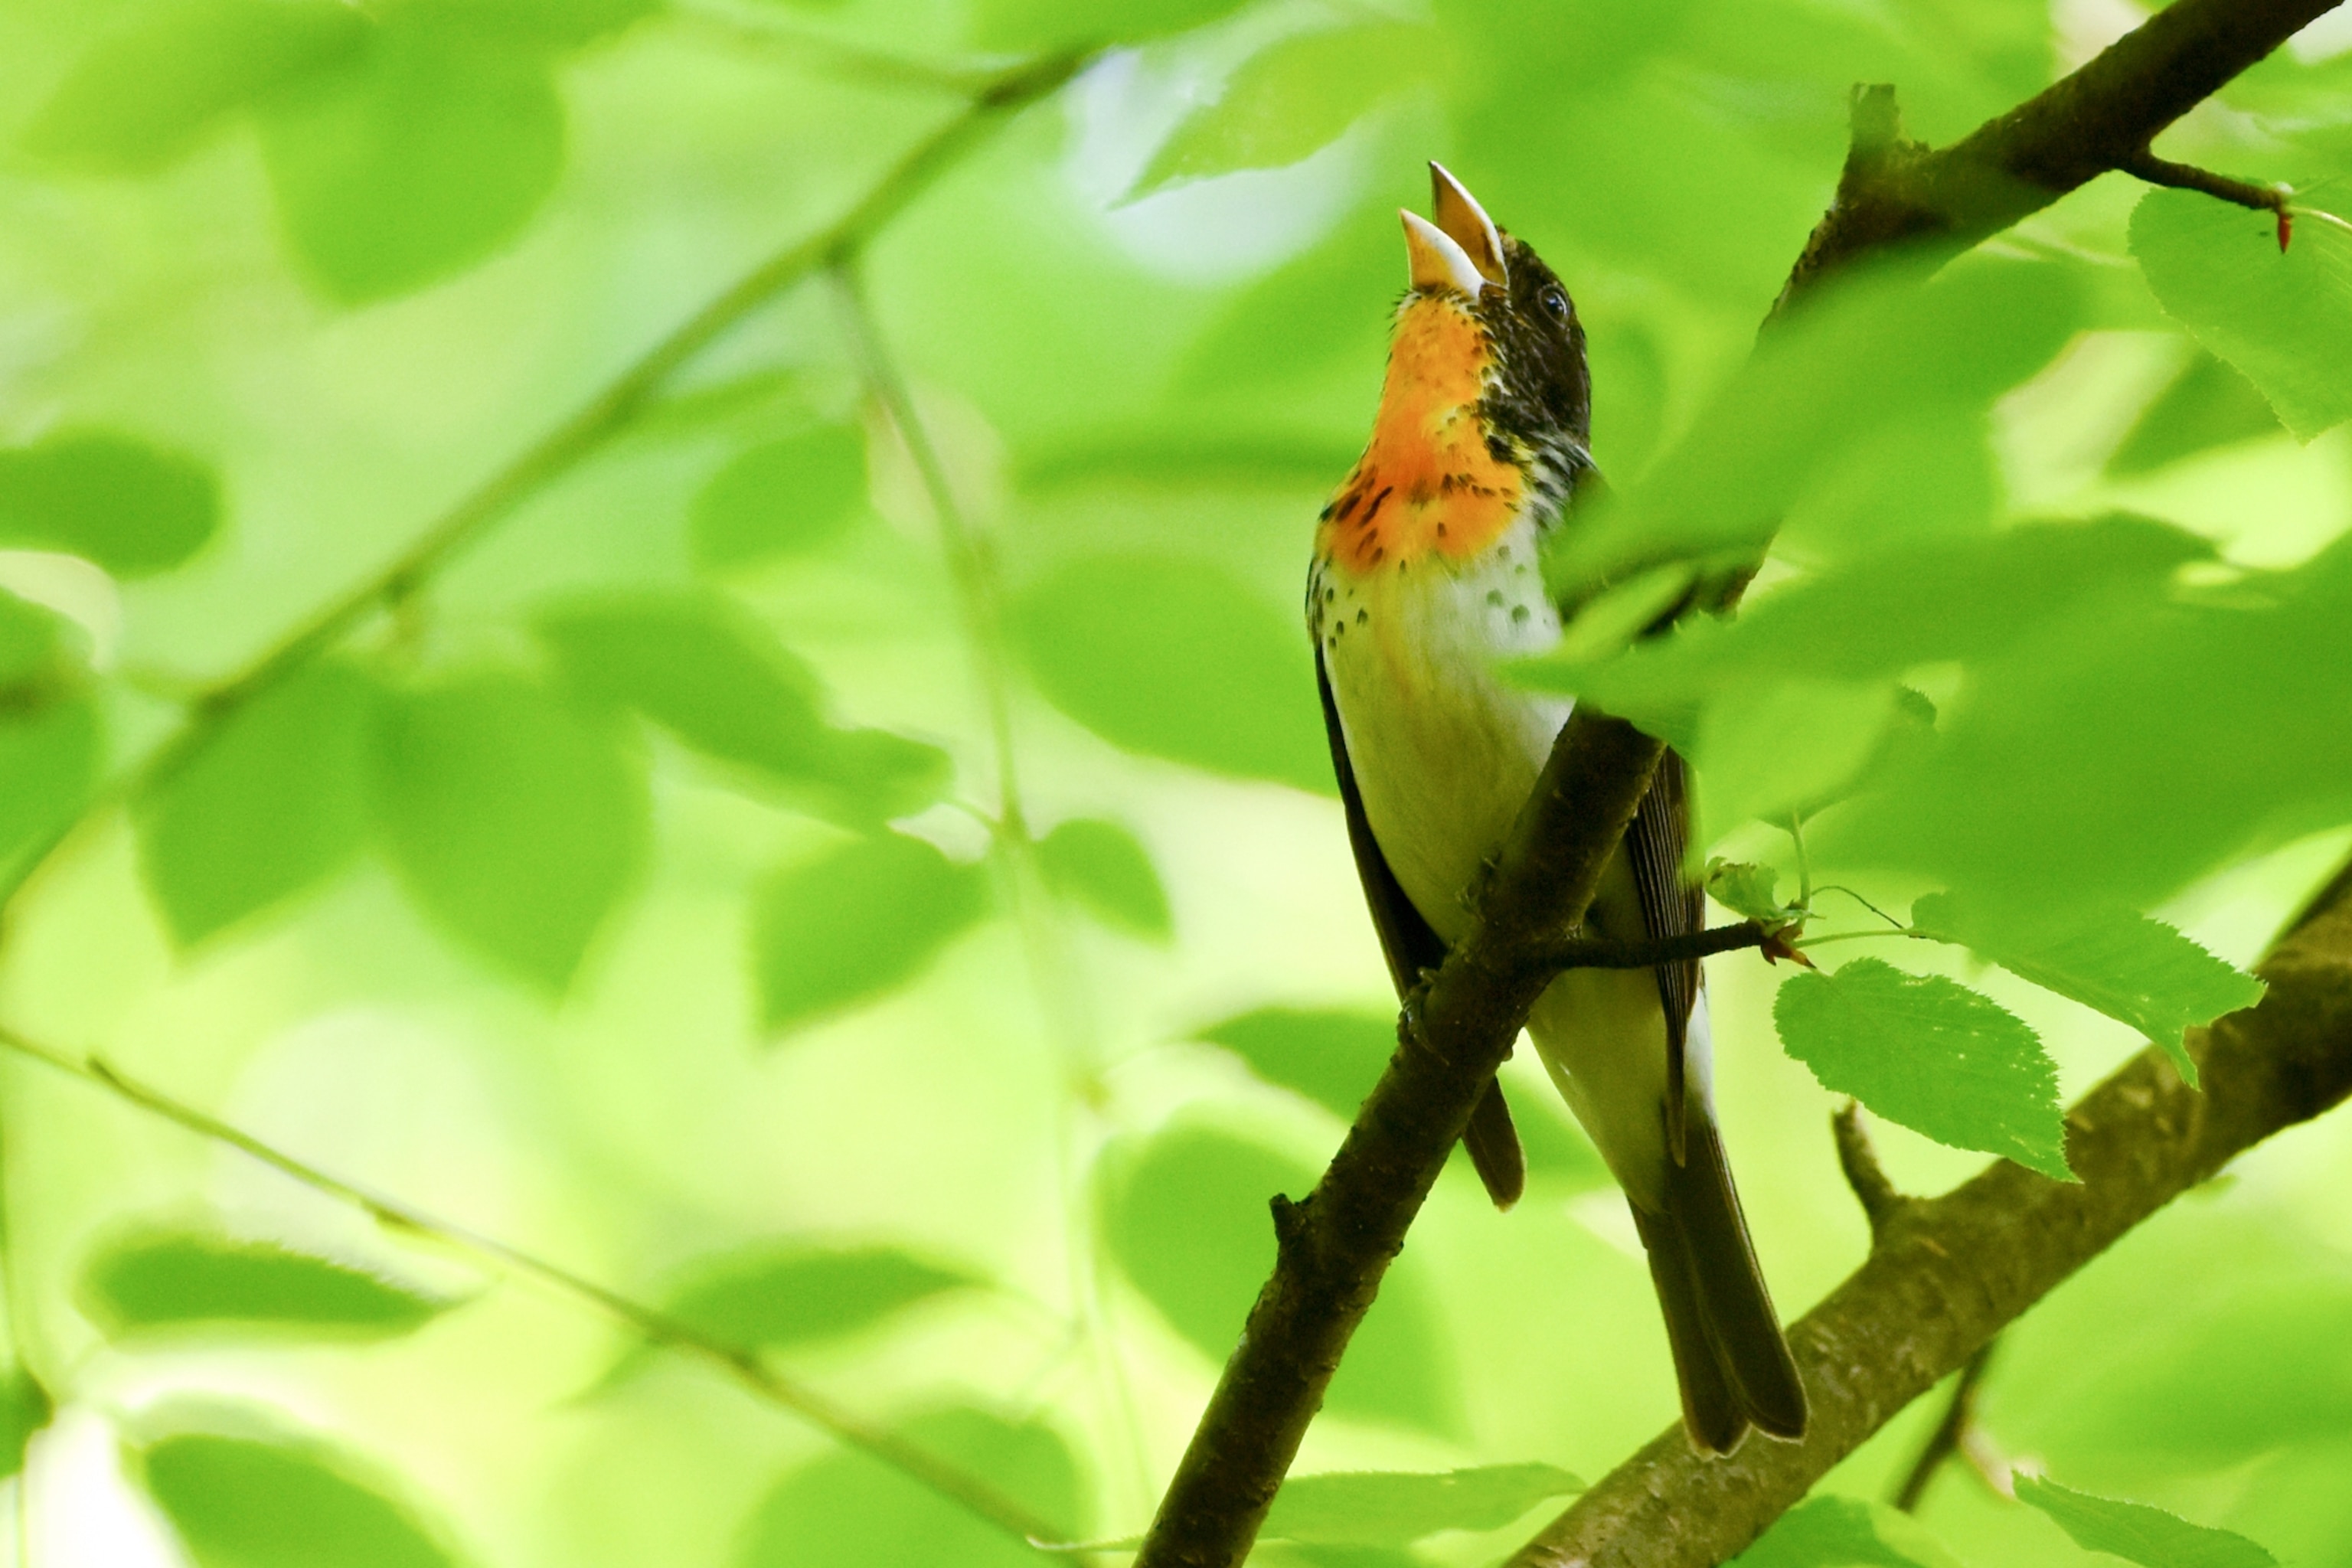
1730,1357
1494,1146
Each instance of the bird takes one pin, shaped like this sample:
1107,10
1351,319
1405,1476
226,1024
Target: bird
1426,574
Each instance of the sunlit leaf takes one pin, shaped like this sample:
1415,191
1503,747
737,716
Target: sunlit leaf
1931,1054
1171,657
1394,1508
1035,25
1747,889
2207,405
1103,866
779,1295
1792,747
514,821
48,763
720,683
144,94
421,154
1290,98
1830,1532
854,924
1186,1217
2136,970
274,804
242,1503
2285,320
783,497
180,1278
24,1408
847,1509
2138,1533
134,508
1331,1058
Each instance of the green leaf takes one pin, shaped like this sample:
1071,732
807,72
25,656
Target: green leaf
2284,320
1844,1532
779,1295
785,498
274,804
1394,1509
542,24
240,1502
845,929
1290,98
422,155
179,1279
1101,865
2138,971
134,508
2138,1533
720,683
1747,889
144,95
48,764
2207,405
1931,1054
847,1509
1172,658
1793,748
41,652
24,1408
515,822
1032,26
1333,1059
1185,1214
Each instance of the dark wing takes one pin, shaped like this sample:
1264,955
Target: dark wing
1671,906
1411,946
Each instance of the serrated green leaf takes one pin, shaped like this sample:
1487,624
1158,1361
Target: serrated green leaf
418,156
144,95
1102,865
2207,405
2285,320
132,508
185,1278
1185,1214
1172,658
779,1296
241,1502
276,804
847,1509
1844,1532
1391,1508
1290,98
2138,1533
854,925
48,764
1931,1054
24,1408
783,497
513,820
2138,971
1747,889
721,683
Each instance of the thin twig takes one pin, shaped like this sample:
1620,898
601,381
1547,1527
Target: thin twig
1880,1200
655,1326
1950,1433
1600,952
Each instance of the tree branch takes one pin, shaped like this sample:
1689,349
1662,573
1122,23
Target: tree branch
1948,1273
1879,1201
1951,1432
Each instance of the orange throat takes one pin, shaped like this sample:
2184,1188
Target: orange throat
1426,483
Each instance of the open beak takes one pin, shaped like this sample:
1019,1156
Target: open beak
1467,224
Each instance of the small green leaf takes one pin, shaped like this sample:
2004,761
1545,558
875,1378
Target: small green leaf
180,1278
274,804
2135,969
1290,99
1845,1532
863,920
133,509
421,154
1747,890
781,1296
720,683
515,822
1395,1509
1333,1059
1101,865
144,95
1174,658
48,764
1185,1214
786,498
2138,1533
241,1502
24,1408
41,652
2284,320
1931,1054
2207,405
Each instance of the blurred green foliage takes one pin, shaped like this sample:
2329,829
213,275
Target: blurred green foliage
702,727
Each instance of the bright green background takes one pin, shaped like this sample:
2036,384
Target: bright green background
565,902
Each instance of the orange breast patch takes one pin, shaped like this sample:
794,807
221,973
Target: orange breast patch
1426,482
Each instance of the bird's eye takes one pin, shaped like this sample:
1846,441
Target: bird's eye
1557,303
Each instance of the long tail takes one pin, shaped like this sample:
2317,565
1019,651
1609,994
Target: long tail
1729,1356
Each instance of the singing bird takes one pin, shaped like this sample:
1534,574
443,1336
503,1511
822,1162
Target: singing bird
1427,572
